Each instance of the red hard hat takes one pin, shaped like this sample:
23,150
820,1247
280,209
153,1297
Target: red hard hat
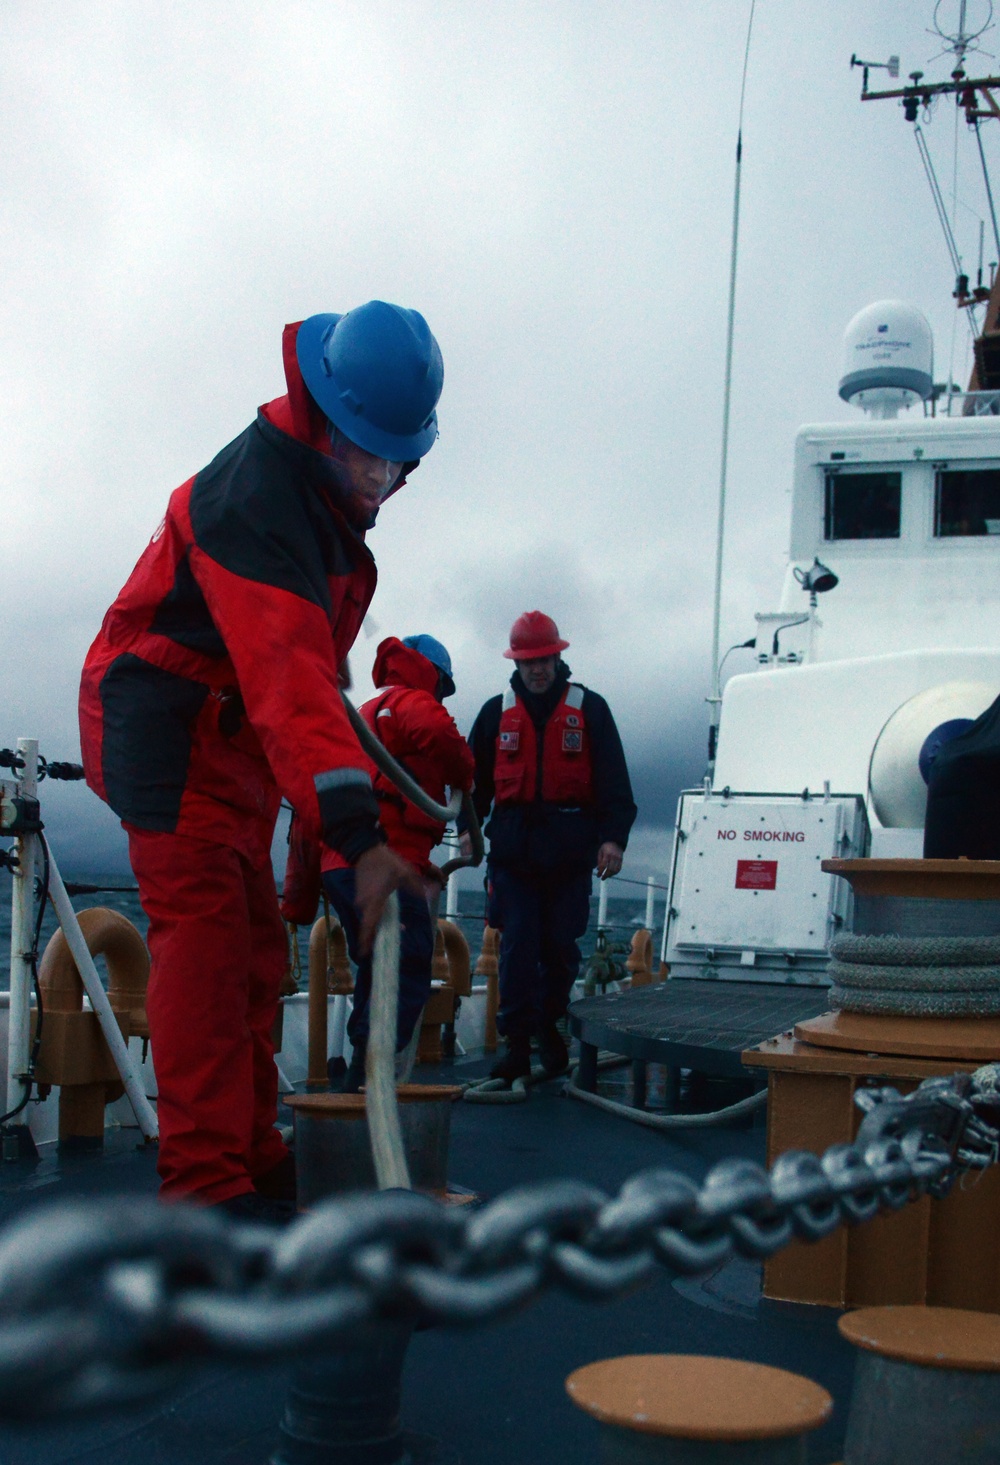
534,635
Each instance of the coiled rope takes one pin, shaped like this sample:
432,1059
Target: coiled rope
746,1106
916,976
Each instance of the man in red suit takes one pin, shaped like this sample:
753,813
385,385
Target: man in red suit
413,677
212,692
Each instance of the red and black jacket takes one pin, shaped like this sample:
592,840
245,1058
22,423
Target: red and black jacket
421,735
211,690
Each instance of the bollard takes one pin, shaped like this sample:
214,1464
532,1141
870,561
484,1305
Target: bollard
640,959
488,966
678,1409
926,1386
333,1150
344,1408
74,1054
329,974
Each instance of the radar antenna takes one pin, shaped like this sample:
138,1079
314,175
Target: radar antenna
962,41
974,95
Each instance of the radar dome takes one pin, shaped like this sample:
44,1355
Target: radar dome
888,358
904,749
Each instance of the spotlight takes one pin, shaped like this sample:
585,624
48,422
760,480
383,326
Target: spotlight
817,579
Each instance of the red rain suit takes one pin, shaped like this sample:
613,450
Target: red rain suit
421,735
210,692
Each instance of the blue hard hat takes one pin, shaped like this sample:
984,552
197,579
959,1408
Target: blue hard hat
435,653
377,374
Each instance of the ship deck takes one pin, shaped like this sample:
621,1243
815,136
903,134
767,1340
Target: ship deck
493,1395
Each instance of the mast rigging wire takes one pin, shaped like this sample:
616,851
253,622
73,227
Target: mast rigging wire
936,195
989,190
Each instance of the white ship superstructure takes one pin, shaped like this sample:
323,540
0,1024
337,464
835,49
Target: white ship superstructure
886,635
906,514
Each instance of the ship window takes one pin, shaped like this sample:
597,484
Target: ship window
862,505
967,501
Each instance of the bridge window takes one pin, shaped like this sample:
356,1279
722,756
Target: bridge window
967,501
862,505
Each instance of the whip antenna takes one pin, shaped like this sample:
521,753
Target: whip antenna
716,698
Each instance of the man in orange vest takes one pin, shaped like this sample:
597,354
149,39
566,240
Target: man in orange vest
549,762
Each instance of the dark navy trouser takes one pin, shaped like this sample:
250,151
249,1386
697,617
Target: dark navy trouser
541,917
416,949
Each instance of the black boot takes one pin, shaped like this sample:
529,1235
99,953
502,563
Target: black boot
552,1051
278,1183
352,1079
516,1062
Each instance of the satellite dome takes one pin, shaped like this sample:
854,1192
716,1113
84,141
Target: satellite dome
888,358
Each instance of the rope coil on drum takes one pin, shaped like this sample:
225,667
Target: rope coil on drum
916,976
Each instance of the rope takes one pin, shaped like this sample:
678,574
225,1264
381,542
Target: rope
914,1003
667,1121
381,1107
929,976
498,1091
867,978
916,950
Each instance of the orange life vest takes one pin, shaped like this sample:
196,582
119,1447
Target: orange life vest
566,773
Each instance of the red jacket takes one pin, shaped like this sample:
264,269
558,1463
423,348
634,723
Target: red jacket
419,733
562,763
211,690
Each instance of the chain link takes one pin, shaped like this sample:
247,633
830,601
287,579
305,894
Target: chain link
106,1302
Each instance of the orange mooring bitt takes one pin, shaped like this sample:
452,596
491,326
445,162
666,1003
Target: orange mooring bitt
640,959
73,1053
716,1407
936,1252
329,975
451,976
488,966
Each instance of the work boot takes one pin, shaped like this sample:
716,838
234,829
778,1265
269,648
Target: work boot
278,1183
352,1080
515,1063
255,1208
553,1053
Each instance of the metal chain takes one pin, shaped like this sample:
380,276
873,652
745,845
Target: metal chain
104,1303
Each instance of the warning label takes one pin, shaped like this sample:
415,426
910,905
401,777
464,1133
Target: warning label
756,874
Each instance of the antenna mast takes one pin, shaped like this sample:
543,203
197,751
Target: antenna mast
975,96
715,700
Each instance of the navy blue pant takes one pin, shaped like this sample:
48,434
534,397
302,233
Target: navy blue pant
541,917
416,948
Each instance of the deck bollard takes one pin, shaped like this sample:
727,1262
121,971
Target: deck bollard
329,975
640,959
74,1054
488,966
343,1409
926,1386
333,1150
681,1409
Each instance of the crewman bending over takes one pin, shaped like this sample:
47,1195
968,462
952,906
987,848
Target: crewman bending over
550,762
211,692
413,677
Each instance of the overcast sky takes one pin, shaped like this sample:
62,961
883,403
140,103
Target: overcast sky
551,185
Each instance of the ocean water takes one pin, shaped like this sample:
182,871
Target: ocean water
625,914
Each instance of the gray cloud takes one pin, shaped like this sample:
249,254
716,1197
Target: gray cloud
551,185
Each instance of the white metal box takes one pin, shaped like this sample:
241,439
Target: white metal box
748,899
